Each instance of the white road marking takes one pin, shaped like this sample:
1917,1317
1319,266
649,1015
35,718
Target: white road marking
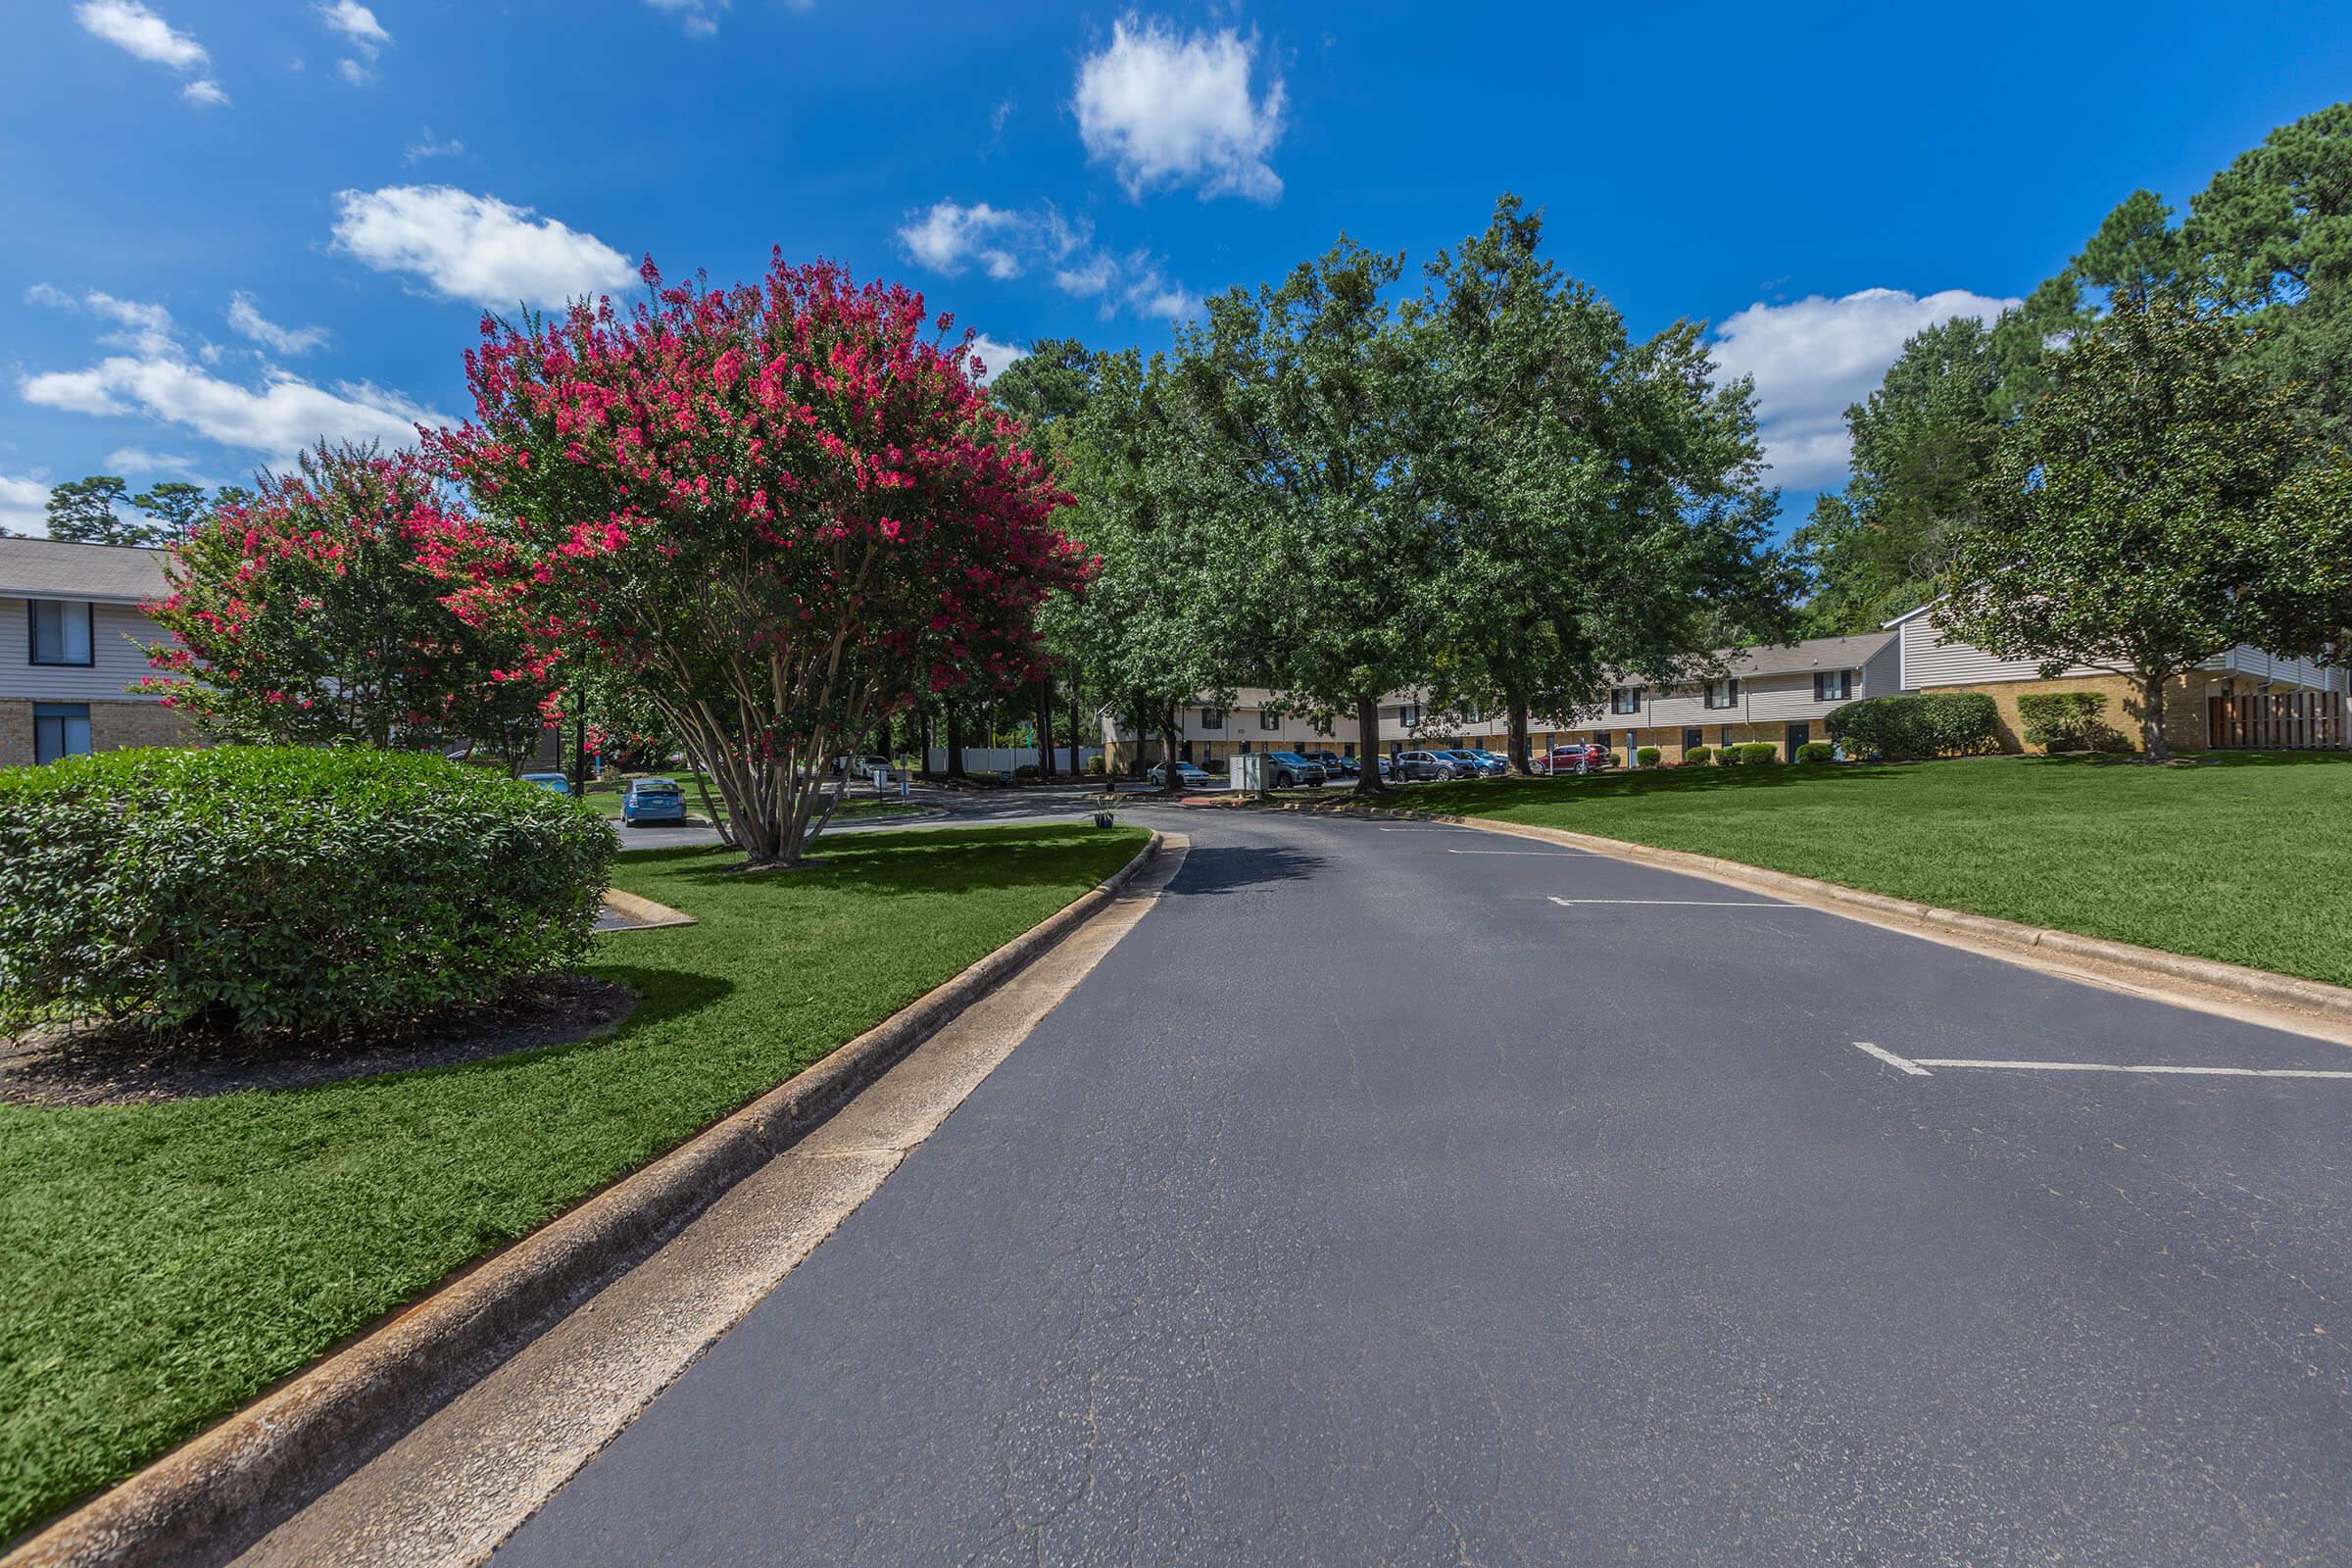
1904,1063
1700,904
2110,1066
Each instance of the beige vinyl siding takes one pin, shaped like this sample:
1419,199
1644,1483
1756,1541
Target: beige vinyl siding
117,633
1931,659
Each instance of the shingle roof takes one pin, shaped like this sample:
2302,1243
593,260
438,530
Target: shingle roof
51,568
1800,658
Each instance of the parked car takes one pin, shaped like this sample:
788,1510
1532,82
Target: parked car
652,799
1584,757
1475,763
553,783
1421,766
1187,775
1286,769
864,768
1333,764
1501,763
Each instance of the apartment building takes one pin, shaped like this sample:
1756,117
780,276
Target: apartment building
71,639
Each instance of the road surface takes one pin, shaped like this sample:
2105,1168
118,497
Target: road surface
1401,1195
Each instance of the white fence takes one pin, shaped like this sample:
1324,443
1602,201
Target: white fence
986,759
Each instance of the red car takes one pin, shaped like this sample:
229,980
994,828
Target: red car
1584,759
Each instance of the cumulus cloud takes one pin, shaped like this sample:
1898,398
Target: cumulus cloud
23,505
156,378
362,32
1813,358
138,459
1006,243
1171,109
247,320
476,248
994,358
138,32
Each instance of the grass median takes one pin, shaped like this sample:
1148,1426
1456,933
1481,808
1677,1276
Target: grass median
2238,856
164,1263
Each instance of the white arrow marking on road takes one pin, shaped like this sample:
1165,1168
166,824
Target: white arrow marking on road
1892,1060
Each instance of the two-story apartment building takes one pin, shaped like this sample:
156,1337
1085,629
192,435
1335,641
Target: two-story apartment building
1777,693
1931,662
71,639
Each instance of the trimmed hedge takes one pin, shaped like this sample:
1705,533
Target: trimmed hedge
1697,757
282,888
1647,756
1817,752
1917,724
2068,721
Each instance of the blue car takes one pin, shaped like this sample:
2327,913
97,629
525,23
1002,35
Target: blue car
553,783
652,799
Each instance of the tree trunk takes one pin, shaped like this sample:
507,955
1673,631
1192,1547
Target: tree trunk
1168,784
2151,715
1077,761
954,769
1045,727
1367,742
1516,745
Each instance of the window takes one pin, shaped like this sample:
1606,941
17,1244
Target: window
1410,714
1212,718
1833,686
1723,694
61,729
61,633
1625,700
1267,718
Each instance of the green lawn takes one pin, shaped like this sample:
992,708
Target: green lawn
163,1264
2242,858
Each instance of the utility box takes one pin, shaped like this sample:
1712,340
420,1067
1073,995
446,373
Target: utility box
1247,771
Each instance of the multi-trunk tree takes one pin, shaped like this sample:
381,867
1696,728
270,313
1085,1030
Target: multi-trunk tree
781,510
2154,508
301,615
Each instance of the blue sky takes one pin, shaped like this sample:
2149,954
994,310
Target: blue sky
232,225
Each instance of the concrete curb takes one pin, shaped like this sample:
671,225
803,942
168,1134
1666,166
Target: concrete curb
646,915
215,1495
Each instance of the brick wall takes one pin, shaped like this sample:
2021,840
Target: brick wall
2184,707
114,725
16,732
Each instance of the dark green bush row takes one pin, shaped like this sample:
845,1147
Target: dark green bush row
1817,752
1743,754
1647,756
1697,756
1917,724
2068,721
282,888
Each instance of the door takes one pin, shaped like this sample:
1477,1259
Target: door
1799,735
1692,739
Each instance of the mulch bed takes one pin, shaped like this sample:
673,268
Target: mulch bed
124,1066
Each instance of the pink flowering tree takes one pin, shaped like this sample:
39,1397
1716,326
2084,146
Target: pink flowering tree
300,614
782,512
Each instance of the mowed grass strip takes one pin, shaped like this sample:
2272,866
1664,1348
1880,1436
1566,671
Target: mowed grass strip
2240,857
163,1264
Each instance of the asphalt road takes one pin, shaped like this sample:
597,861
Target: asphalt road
1368,1206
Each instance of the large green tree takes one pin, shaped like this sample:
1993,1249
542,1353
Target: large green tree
1604,515
2154,508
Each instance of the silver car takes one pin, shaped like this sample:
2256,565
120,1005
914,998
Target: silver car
1426,765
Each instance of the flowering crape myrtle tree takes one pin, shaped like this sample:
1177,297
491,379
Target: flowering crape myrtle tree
301,616
782,512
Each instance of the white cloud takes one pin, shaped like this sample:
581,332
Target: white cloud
138,459
278,417
475,248
23,505
145,328
994,358
1171,109
1007,242
700,18
357,75
138,32
247,318
426,147
1816,355
358,24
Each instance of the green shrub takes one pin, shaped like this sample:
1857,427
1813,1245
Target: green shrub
1730,755
1025,771
1762,752
1917,724
1697,756
282,888
1817,752
1649,756
2068,721
1093,768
